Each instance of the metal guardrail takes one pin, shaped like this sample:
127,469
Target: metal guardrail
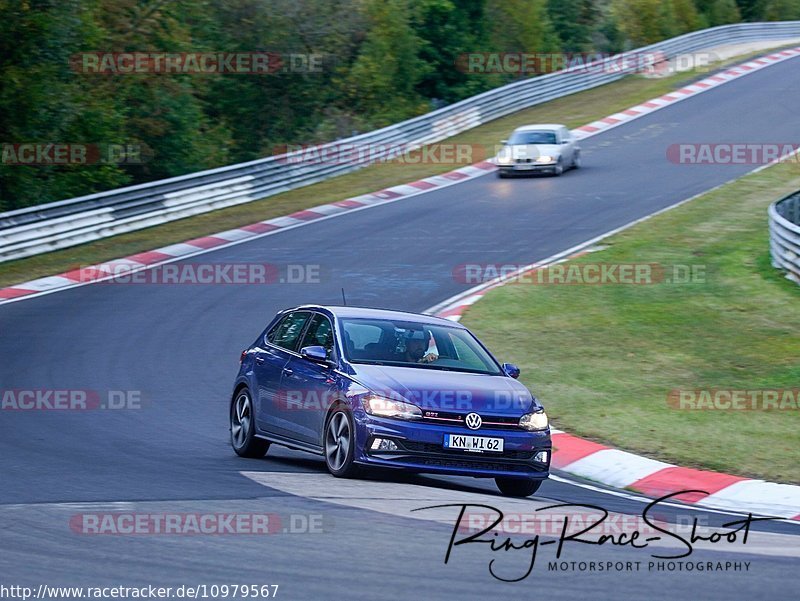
784,235
42,228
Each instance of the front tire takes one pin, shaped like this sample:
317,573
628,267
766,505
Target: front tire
243,428
576,163
517,487
340,444
559,168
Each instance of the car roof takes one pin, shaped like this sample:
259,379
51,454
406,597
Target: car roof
371,313
538,126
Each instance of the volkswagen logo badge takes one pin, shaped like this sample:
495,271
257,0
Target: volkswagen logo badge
473,421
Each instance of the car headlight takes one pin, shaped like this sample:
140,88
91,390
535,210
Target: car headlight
534,421
504,157
383,407
544,159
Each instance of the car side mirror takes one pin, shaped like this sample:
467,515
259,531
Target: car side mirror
565,141
504,142
511,370
316,354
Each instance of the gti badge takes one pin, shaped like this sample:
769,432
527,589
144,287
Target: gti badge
473,421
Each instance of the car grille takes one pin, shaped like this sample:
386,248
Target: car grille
475,465
523,160
489,421
427,447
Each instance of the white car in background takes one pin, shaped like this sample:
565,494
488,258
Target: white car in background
542,148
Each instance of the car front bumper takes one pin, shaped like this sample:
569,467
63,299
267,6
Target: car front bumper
421,449
523,168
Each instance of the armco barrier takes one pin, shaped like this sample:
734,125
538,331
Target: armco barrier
784,235
43,228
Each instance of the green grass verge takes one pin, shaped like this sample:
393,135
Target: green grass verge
603,358
575,110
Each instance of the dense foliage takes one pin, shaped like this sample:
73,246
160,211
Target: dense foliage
382,61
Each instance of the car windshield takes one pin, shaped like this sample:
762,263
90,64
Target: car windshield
414,344
533,137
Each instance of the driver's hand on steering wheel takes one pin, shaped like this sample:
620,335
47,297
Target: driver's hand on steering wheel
429,358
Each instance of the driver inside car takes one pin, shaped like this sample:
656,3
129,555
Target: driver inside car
420,347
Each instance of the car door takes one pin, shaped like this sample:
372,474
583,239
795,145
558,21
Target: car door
271,359
572,145
309,386
567,146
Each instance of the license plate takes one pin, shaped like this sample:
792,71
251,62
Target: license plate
525,167
478,444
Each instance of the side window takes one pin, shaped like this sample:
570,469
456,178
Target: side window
319,333
288,331
363,334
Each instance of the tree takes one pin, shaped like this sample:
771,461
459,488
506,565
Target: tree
645,21
781,10
751,10
723,12
382,83
574,21
263,112
686,16
165,113
43,101
521,26
719,12
450,30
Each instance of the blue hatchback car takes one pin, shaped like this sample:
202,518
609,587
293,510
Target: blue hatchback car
368,387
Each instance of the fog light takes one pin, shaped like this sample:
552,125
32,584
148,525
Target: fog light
541,457
383,444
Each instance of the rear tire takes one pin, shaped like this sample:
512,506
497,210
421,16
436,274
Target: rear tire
243,427
517,487
339,444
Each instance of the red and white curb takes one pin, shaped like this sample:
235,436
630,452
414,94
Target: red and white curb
95,273
652,478
621,469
